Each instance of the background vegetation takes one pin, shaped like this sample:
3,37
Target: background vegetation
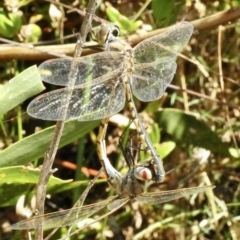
196,130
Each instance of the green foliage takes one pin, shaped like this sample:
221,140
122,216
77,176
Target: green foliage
22,175
23,86
162,8
166,11
165,148
35,145
188,130
124,23
18,180
10,23
15,181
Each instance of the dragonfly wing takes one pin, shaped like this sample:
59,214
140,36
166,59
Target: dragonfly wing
150,83
154,59
99,66
117,203
88,103
166,196
167,44
61,218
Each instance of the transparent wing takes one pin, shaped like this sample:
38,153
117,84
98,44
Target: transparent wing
117,203
150,83
86,103
167,44
156,57
166,196
100,67
61,218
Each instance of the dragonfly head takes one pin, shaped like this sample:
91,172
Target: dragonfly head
143,173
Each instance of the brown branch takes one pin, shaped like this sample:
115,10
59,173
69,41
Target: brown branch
38,53
209,22
45,52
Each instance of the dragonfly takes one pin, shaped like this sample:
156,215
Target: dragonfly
106,35
104,81
131,186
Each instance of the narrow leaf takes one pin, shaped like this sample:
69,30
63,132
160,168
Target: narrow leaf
20,88
34,146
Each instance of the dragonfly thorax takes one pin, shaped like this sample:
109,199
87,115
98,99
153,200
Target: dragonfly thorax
131,186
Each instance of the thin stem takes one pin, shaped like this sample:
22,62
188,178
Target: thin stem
47,170
80,159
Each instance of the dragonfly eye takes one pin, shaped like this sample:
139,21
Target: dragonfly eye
143,173
115,31
112,34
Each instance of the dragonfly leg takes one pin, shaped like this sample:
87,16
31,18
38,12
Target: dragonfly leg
114,177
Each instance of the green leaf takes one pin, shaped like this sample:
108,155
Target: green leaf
123,22
5,24
234,152
187,129
166,11
20,88
162,149
22,175
165,148
34,146
14,182
162,8
9,24
154,135
16,19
